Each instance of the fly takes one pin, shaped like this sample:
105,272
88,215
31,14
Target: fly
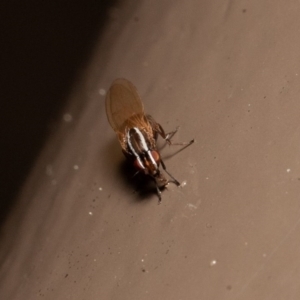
138,132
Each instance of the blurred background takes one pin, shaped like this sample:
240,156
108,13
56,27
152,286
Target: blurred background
45,46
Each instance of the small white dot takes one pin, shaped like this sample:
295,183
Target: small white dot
100,189
67,117
75,167
90,213
183,183
213,263
288,170
102,92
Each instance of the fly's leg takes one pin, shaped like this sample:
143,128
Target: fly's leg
158,194
157,128
158,191
169,135
174,180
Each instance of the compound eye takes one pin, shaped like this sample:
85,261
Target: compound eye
155,156
138,164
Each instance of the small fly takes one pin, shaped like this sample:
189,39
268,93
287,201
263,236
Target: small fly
138,132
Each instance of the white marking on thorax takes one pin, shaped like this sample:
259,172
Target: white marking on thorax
152,159
142,139
144,147
133,151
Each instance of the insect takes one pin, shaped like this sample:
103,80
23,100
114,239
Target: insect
138,132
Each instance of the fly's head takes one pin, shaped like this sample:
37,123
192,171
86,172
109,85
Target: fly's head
148,163
160,180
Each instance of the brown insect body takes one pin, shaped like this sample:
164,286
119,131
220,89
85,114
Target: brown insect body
136,131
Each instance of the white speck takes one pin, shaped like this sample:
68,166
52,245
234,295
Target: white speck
142,260
213,263
75,167
249,104
191,206
49,170
288,170
102,92
183,183
90,213
207,178
100,189
67,117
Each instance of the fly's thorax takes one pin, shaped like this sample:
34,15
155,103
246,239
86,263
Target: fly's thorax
140,147
127,133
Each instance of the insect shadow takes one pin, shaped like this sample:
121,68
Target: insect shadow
142,184
138,186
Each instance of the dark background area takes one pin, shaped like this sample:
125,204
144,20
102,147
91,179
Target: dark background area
43,45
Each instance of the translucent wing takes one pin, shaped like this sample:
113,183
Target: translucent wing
122,102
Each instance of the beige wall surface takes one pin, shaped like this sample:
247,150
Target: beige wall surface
227,73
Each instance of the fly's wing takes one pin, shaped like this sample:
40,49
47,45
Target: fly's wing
122,102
